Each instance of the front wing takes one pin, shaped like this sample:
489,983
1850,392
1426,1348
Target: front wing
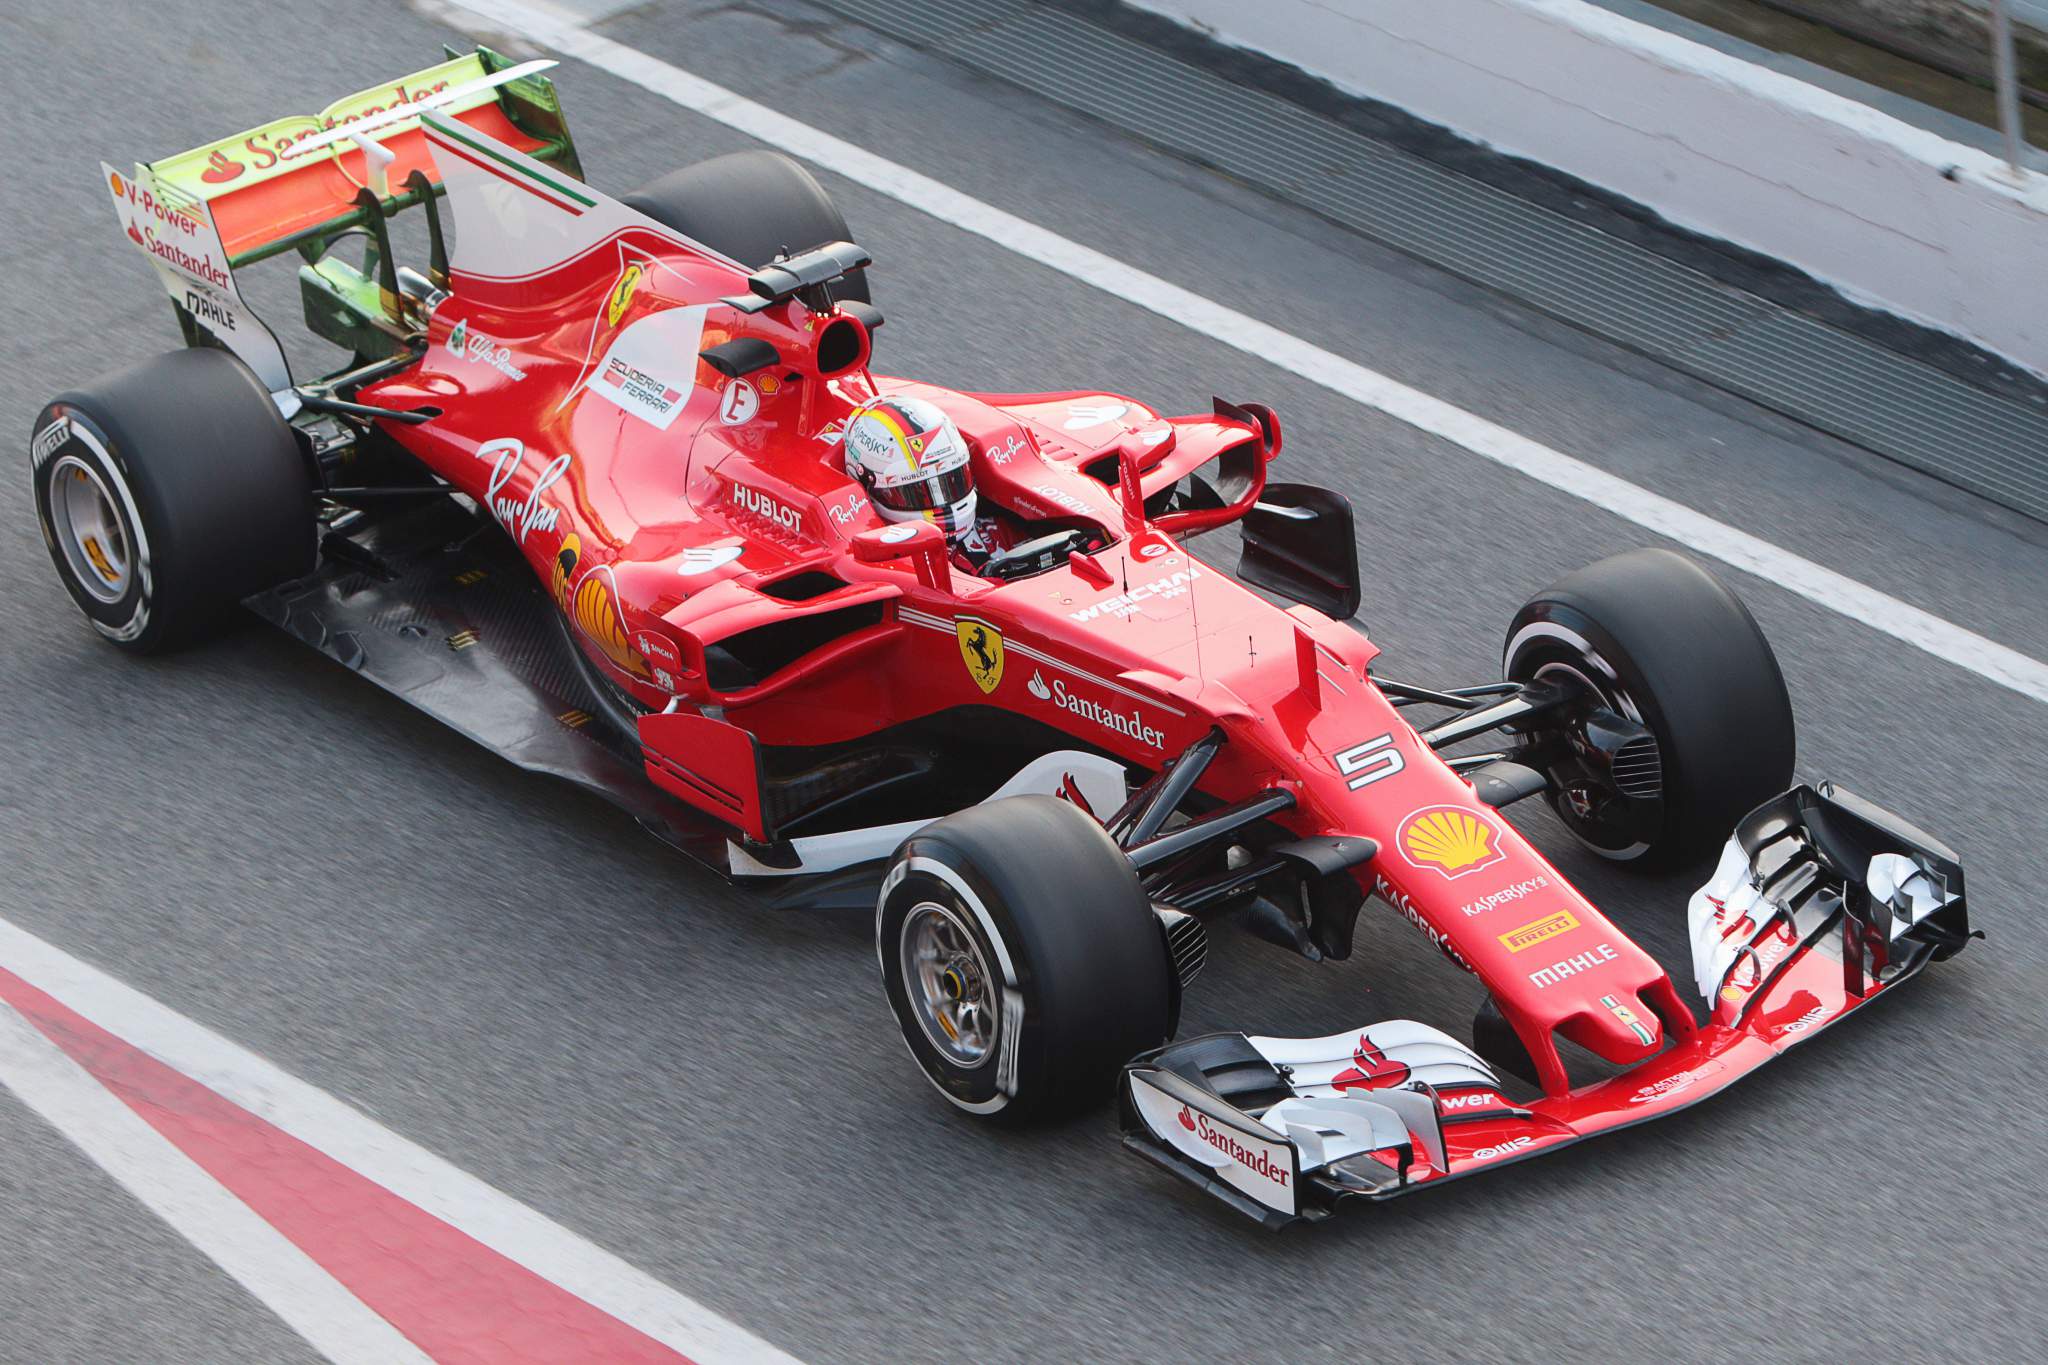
1821,902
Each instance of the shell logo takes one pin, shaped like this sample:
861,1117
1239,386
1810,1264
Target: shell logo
1450,840
597,612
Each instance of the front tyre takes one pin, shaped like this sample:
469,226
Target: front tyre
167,493
1666,645
1022,959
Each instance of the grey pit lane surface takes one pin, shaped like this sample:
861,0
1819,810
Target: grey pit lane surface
513,976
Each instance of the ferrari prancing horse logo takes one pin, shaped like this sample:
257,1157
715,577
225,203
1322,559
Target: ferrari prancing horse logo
981,648
622,293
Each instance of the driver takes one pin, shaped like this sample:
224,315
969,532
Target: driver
909,456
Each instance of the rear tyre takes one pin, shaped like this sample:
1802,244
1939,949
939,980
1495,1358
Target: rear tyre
167,493
1022,959
753,206
1666,644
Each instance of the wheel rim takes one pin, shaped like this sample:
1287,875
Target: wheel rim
951,989
89,529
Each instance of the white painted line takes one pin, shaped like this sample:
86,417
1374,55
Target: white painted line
316,1118
1837,592
174,1187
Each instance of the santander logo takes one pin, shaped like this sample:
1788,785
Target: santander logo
1374,1070
1131,724
221,168
1257,1162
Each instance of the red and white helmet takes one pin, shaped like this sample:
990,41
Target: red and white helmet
909,456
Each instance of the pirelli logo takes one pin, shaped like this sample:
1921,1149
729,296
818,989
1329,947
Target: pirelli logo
1538,930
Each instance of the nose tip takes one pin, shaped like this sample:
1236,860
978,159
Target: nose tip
1629,1024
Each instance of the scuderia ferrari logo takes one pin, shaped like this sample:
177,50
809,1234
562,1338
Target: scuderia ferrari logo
981,648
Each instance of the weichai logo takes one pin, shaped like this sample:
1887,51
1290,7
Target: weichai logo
1129,602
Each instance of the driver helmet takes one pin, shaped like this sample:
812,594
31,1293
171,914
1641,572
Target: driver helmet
909,456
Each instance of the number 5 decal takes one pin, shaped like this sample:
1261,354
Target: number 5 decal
1367,763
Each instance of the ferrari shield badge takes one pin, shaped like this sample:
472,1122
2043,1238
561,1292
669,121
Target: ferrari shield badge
622,293
981,647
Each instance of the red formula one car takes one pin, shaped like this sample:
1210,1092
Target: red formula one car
582,492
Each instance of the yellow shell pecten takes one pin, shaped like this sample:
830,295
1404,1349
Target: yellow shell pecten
1452,839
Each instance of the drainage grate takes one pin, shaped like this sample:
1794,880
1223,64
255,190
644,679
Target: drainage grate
1815,373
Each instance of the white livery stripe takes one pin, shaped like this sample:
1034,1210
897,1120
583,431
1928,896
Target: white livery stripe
1837,592
912,616
1098,680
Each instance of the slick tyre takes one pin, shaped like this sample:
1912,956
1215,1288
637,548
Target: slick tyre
1024,963
753,206
1666,644
167,493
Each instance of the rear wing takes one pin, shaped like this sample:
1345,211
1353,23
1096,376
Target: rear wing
296,183
295,180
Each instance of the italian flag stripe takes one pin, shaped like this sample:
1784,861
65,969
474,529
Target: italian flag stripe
446,131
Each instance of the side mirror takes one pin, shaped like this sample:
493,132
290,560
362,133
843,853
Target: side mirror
921,541
1299,543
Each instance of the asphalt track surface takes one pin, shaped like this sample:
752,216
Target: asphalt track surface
512,976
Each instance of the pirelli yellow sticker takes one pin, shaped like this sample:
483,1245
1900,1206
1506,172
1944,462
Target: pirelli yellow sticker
1538,930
